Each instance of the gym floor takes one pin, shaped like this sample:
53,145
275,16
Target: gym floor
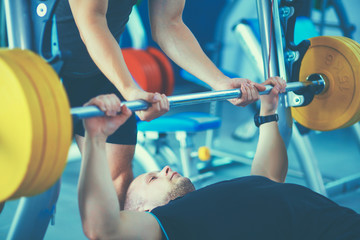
337,152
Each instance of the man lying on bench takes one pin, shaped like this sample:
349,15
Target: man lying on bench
165,205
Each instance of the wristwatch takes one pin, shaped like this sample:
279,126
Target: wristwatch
265,119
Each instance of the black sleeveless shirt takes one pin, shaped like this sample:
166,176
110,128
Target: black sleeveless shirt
79,62
255,207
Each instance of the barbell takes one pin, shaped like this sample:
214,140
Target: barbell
36,125
198,98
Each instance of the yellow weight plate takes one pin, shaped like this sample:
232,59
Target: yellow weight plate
352,44
64,119
21,127
356,47
52,127
355,65
52,146
35,164
50,118
336,106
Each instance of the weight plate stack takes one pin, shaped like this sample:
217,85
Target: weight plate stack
338,104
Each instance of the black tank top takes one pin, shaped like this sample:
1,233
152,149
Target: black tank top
78,61
255,207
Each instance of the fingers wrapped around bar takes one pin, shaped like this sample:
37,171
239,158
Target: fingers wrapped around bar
115,115
269,102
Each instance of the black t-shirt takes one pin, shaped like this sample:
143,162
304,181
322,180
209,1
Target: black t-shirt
80,63
255,207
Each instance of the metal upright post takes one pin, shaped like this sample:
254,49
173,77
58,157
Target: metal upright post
18,24
323,16
356,130
302,147
274,64
33,214
3,35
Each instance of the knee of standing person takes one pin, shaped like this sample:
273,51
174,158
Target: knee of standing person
121,168
154,189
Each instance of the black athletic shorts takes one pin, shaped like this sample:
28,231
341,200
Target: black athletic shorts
81,89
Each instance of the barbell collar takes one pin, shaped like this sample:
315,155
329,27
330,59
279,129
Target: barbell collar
195,98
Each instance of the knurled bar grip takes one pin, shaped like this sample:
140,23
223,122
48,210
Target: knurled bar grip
194,98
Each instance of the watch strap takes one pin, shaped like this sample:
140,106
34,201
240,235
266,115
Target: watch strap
265,119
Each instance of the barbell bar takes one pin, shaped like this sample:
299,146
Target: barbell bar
198,98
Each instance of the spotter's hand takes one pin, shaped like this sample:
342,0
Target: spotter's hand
159,104
249,90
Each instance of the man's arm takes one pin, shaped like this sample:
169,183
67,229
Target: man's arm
90,18
178,42
98,202
271,156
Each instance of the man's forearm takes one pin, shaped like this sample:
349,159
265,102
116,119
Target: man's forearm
271,156
178,42
98,202
106,53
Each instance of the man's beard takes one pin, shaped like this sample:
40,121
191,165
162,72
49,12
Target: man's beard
182,187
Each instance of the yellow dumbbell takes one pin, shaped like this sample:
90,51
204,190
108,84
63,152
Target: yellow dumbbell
204,153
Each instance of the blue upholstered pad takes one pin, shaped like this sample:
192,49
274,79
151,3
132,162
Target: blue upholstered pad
187,121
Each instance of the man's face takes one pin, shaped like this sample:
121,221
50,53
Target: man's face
158,188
